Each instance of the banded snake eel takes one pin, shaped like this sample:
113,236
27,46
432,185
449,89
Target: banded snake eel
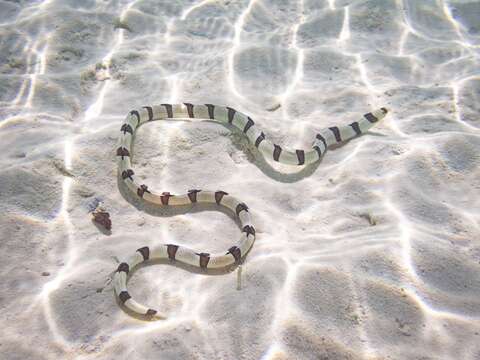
245,124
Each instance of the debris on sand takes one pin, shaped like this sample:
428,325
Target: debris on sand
369,217
274,107
60,166
102,217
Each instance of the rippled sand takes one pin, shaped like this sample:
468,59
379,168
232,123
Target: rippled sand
372,254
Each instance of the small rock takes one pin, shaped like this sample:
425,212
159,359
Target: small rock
102,217
371,220
274,107
60,166
20,154
45,273
84,192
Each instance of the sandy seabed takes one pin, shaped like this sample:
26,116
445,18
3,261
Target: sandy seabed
372,253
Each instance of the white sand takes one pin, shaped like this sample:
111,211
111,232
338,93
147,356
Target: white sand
372,254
